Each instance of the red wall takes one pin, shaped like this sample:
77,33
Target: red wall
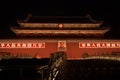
51,46
42,52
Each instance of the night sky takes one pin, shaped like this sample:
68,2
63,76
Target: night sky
106,10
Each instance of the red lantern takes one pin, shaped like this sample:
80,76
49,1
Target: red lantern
60,25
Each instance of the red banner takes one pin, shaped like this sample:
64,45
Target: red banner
99,45
22,45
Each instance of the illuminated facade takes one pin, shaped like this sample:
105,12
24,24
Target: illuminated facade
42,36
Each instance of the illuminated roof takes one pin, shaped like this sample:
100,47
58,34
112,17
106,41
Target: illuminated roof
59,32
53,22
55,26
60,19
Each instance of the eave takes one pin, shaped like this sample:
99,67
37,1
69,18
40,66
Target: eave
59,32
56,25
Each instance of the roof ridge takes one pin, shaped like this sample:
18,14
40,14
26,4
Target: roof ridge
82,16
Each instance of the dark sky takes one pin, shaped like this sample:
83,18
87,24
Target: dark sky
106,10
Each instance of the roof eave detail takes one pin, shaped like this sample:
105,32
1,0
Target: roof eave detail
56,25
22,31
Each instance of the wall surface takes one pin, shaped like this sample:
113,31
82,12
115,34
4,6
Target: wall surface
73,48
